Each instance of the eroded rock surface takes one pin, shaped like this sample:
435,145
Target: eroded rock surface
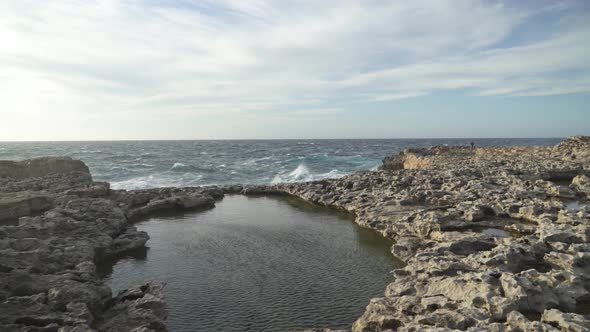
437,202
65,224
40,167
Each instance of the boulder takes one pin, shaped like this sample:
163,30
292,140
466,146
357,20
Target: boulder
566,321
582,184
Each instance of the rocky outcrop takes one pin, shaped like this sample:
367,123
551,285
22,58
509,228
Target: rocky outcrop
61,224
575,147
423,158
488,236
139,308
15,205
581,183
40,167
139,203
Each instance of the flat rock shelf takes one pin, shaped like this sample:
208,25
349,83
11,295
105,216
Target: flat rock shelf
259,264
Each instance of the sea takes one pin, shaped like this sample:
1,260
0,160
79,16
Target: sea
149,164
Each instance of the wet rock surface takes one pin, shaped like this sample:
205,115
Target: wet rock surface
437,203
65,224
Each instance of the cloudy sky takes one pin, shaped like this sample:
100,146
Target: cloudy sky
198,69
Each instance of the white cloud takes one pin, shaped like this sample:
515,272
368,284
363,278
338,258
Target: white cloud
395,96
127,57
317,111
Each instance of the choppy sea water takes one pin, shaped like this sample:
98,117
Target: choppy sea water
146,164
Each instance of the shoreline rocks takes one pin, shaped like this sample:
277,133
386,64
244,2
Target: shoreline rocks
436,203
66,225
494,238
39,167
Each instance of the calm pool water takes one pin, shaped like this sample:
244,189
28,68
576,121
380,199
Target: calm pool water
259,264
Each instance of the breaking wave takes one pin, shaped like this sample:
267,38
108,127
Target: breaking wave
303,174
181,167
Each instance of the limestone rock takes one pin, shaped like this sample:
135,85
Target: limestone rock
469,246
48,277
15,205
39,167
174,201
582,184
435,202
137,309
566,321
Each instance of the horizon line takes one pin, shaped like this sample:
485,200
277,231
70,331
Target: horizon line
280,139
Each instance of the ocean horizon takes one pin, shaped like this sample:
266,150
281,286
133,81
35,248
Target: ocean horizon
138,164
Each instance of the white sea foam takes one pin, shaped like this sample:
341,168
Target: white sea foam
158,180
303,174
177,165
180,167
255,160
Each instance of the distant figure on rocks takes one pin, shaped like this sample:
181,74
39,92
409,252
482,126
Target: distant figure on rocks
472,145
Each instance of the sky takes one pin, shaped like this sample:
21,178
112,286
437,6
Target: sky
230,69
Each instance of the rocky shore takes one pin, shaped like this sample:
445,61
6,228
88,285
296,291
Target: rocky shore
494,239
56,225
